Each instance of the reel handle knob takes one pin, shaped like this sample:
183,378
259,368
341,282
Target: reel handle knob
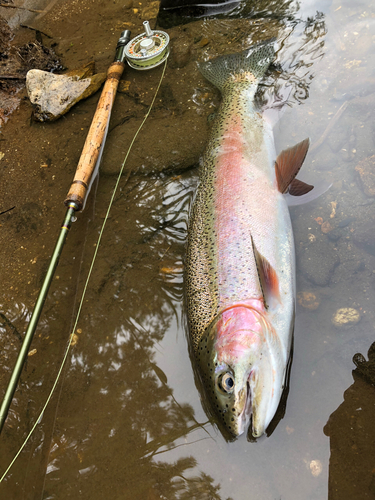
148,29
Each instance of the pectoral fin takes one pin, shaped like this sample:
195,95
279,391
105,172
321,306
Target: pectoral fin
287,166
299,188
319,189
269,282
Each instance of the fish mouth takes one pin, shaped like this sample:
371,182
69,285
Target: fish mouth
248,417
248,410
246,413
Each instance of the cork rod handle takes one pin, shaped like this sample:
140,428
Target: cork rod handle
95,137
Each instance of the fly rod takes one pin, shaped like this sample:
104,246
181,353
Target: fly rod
75,201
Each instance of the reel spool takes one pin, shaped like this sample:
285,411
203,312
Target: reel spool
147,50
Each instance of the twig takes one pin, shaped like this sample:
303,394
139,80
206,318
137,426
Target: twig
8,210
21,8
35,29
12,77
331,124
10,324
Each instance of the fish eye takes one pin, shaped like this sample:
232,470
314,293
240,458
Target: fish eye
226,382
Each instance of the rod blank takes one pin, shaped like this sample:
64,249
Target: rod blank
12,386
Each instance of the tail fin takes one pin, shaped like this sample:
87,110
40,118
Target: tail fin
248,66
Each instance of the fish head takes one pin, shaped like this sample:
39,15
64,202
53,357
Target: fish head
239,369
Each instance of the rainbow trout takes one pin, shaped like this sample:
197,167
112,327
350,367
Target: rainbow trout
240,264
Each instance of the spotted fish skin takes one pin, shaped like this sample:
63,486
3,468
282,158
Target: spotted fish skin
240,319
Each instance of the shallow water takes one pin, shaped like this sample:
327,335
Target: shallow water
126,420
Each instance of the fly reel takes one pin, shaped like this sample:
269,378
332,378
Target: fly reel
147,50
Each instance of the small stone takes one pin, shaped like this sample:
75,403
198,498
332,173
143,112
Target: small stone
123,86
346,222
333,207
366,175
352,64
316,467
203,42
346,317
326,227
32,352
73,339
308,300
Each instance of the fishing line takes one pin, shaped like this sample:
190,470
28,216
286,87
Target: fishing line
88,275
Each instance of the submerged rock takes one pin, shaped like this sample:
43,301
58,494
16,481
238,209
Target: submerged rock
326,227
53,95
316,467
308,300
318,262
346,317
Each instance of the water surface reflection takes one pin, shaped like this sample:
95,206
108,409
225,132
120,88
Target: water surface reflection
352,434
114,392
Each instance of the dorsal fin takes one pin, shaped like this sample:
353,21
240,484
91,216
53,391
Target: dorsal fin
269,282
288,164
